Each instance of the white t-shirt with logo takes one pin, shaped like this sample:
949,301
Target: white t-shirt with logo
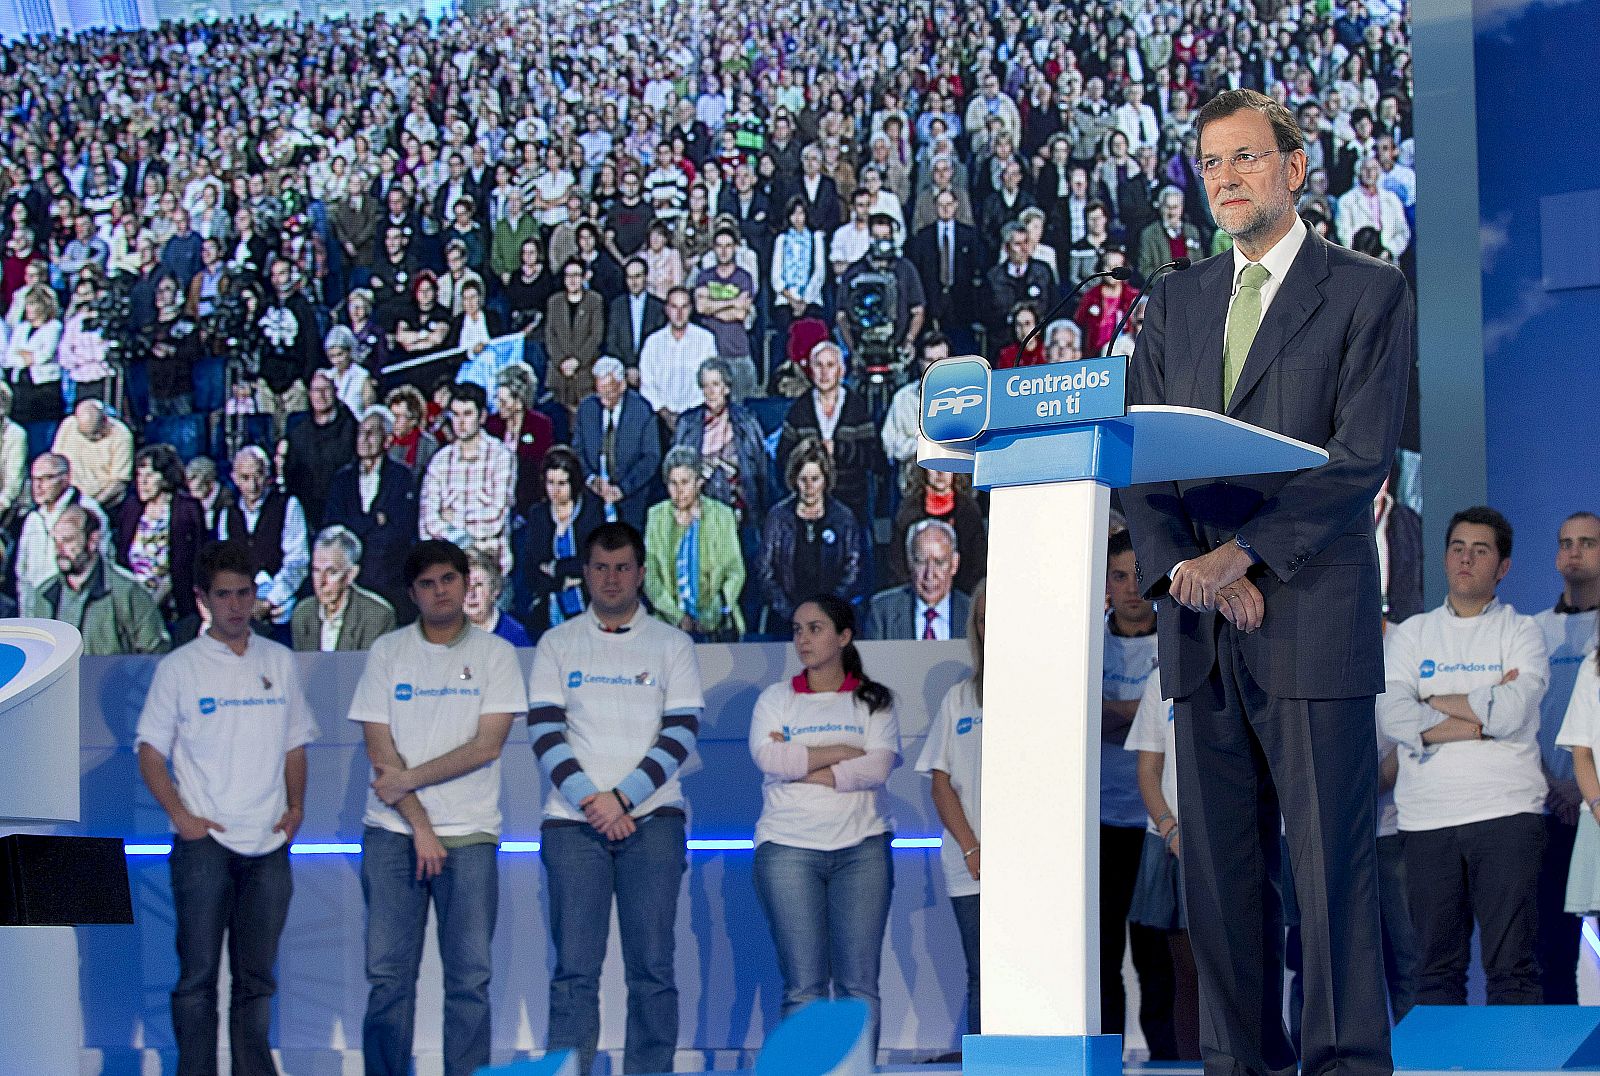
226,721
1153,730
432,696
1568,639
1439,653
615,688
1129,664
817,817
1581,727
955,746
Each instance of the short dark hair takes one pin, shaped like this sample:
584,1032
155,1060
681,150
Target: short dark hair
430,552
219,557
612,537
1285,129
473,393
1485,516
933,338
563,459
1119,543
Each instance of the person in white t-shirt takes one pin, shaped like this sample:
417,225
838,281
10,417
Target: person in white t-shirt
1569,635
1580,734
615,706
1462,689
825,742
1129,663
952,757
1158,895
435,703
227,712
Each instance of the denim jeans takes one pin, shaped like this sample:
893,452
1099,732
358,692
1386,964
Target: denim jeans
643,872
216,891
828,911
465,896
966,909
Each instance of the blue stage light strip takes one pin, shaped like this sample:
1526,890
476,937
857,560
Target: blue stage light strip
741,844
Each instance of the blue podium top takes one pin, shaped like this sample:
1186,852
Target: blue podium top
1147,444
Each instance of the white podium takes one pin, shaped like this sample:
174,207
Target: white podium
41,1028
1049,443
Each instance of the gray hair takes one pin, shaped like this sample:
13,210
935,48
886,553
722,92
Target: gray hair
254,452
720,367
609,366
1167,192
680,456
5,399
343,539
1063,323
921,527
518,379
201,467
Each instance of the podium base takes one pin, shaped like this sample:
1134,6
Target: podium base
1041,1055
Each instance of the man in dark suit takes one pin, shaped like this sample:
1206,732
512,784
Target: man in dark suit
928,607
634,315
619,444
749,208
1270,616
386,522
949,260
824,211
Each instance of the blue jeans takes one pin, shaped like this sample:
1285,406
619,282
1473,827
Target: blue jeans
827,911
216,891
966,909
643,872
465,896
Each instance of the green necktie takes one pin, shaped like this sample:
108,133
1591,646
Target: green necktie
1244,318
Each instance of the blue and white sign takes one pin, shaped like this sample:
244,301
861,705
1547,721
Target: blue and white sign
963,398
955,400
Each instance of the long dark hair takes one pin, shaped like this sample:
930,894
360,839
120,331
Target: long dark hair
843,616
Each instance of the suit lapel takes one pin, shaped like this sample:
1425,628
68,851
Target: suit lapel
1206,321
1298,298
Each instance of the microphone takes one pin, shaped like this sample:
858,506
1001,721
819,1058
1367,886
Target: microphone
1177,265
1121,272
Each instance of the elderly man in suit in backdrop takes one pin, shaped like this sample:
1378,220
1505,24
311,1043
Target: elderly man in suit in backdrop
1270,615
928,607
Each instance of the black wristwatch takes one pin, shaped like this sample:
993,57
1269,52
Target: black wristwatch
1239,541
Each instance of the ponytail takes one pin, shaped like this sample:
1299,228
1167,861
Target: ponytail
875,695
843,616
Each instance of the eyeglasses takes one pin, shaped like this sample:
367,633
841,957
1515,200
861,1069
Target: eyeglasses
1244,163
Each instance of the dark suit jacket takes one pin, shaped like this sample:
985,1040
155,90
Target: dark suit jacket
1328,367
619,328
387,531
1404,533
923,251
824,213
538,549
638,452
892,612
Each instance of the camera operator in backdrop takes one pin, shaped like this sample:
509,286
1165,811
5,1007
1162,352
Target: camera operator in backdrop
881,306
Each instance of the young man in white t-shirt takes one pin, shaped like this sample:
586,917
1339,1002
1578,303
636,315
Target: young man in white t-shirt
614,712
1569,635
227,712
1463,685
1130,663
435,702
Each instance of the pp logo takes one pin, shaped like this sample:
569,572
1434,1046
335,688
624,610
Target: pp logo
402,693
955,400
1428,669
963,726
208,705
574,679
